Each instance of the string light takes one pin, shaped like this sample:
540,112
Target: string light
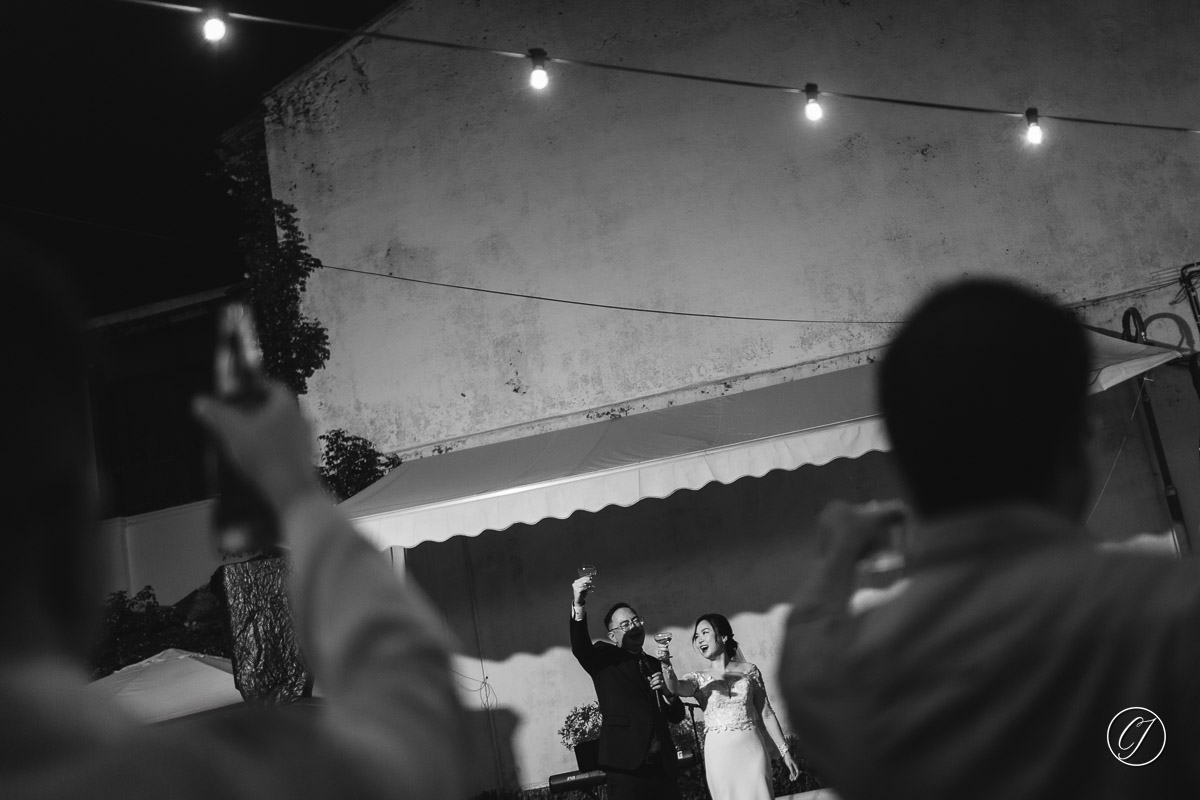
538,78
1034,133
812,108
214,26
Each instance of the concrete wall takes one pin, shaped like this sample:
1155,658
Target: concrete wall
652,192
170,550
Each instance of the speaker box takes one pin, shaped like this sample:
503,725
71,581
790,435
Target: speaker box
579,779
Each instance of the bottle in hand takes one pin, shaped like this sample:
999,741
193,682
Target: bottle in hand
242,519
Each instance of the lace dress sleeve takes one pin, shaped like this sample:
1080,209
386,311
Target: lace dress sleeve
760,691
695,679
767,723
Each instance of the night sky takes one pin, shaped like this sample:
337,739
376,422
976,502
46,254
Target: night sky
110,126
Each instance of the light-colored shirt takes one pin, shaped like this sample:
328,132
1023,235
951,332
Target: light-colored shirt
998,669
391,725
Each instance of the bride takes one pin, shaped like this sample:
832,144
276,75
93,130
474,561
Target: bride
736,714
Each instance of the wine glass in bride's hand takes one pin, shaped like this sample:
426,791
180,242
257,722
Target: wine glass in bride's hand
664,643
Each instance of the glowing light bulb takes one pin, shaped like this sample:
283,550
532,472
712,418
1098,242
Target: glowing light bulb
214,29
538,78
215,22
1033,134
812,108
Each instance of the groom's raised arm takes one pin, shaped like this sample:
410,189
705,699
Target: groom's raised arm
581,641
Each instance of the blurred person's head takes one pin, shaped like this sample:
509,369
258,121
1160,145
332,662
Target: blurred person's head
48,485
983,392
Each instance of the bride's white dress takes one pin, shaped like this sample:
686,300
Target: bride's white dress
735,756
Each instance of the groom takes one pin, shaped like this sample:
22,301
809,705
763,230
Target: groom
636,750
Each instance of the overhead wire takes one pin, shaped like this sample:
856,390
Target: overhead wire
624,68
539,56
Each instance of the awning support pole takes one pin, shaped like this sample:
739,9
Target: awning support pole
1134,330
1187,277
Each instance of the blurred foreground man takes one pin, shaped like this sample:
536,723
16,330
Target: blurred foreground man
391,726
1017,660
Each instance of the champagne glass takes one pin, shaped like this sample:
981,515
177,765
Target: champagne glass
664,640
588,571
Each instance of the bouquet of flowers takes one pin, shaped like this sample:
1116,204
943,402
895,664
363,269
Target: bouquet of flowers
581,725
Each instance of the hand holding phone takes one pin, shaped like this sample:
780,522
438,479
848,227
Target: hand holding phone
238,376
243,520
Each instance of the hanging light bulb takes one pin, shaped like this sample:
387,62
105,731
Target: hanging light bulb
538,78
812,108
214,24
1033,134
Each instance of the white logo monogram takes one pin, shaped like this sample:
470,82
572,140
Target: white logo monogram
1136,736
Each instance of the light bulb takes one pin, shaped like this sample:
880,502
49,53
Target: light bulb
812,108
1033,134
538,78
214,29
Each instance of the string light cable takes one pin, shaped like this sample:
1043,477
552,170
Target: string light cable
1073,305
611,306
484,690
539,58
1076,305
1120,449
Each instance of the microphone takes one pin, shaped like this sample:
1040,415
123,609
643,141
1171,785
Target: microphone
646,673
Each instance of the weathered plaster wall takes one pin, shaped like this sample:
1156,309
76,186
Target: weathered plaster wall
644,191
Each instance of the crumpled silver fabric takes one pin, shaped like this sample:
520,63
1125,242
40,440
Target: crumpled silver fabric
267,664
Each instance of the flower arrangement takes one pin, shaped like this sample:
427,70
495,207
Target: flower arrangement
581,725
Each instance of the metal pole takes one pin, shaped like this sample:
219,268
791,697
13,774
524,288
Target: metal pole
1134,330
1187,277
696,743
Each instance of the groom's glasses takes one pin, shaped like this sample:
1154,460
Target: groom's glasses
629,624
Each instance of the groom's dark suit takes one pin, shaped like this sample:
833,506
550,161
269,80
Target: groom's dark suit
632,716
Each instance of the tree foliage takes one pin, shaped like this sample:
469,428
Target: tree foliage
278,265
351,463
137,627
278,261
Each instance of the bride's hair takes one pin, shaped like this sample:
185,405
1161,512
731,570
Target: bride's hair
723,629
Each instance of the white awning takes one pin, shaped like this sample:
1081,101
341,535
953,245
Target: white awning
652,454
172,684
1115,360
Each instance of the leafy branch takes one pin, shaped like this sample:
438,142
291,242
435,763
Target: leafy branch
278,265
351,463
